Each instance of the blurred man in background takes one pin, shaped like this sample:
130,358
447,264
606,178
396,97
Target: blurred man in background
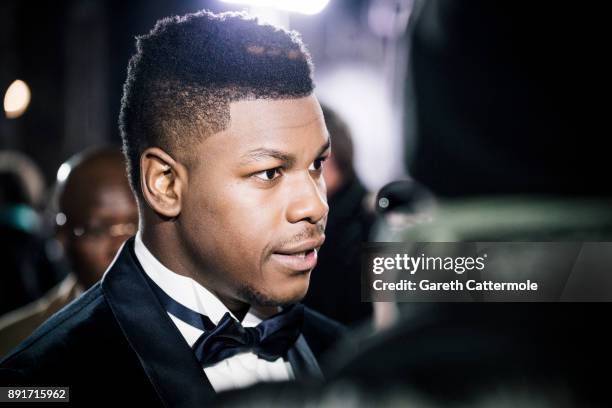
348,226
95,213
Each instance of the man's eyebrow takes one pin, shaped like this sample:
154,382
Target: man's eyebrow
265,153
324,147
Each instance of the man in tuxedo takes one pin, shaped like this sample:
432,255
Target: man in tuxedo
224,142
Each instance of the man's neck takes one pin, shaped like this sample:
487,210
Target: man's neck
167,252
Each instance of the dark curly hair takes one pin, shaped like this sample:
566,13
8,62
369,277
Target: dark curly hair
188,69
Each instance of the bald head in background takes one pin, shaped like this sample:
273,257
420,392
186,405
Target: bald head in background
96,211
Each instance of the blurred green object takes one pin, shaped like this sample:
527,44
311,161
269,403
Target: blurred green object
21,217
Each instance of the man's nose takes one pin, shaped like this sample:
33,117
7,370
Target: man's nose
307,200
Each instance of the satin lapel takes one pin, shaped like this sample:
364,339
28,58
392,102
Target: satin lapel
165,356
303,362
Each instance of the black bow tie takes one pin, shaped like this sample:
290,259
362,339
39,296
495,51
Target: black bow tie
270,339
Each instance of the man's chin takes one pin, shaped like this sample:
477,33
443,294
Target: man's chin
258,298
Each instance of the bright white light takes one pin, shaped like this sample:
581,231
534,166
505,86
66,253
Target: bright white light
60,218
297,6
272,16
16,99
62,172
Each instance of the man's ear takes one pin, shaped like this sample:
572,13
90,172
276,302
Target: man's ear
163,181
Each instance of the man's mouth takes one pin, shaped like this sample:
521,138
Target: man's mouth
302,257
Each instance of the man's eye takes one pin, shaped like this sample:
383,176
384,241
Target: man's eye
268,175
317,164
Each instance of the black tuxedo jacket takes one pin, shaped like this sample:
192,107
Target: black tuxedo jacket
116,341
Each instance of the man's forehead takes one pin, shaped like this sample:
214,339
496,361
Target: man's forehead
285,125
275,114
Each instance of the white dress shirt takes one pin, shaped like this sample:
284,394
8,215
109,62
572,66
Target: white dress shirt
238,371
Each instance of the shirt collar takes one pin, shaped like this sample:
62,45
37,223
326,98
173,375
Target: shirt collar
185,290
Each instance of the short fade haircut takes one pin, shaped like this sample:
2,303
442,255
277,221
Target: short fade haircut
187,71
